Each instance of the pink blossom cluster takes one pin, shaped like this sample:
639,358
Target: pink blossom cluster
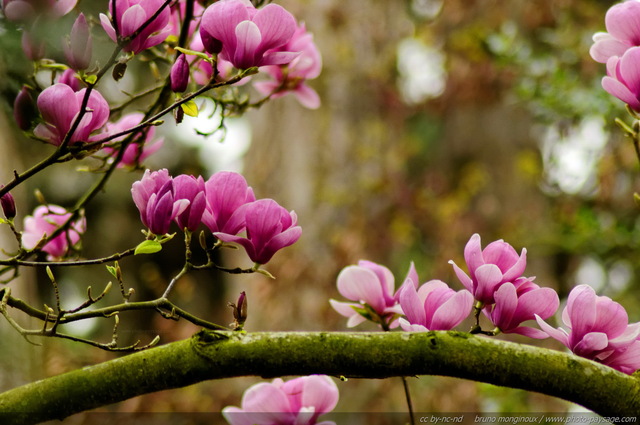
299,401
619,49
45,220
225,204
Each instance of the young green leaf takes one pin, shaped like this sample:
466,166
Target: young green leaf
148,247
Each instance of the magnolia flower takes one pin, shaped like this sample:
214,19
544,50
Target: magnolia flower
154,197
623,79
59,105
246,36
46,220
433,307
291,78
299,401
130,16
599,330
497,264
24,109
22,10
269,228
227,195
135,152
372,286
519,302
623,33
191,189
79,45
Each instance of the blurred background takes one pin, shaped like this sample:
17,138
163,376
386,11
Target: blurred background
438,120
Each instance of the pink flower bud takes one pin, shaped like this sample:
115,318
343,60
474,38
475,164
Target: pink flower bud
32,47
180,74
24,109
79,45
8,205
154,197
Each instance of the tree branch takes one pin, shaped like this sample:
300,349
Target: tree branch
216,355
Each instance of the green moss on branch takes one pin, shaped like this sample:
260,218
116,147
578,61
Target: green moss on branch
216,355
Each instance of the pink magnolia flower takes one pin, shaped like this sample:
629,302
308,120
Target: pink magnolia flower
60,105
246,36
154,197
623,79
227,195
79,45
497,264
130,16
23,10
269,228
599,330
372,286
299,401
135,152
519,302
45,220
623,25
192,189
292,78
433,307
24,109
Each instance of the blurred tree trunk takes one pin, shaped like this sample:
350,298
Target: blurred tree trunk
19,361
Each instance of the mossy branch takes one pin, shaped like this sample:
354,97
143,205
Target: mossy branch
216,355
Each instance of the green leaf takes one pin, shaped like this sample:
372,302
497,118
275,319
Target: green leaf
190,108
148,247
112,270
201,55
91,79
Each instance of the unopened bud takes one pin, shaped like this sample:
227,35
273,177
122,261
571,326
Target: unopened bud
79,45
24,109
180,74
32,47
239,311
8,205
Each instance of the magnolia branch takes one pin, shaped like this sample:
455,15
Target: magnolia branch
217,355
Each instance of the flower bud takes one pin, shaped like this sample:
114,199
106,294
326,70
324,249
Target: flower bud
8,205
239,311
180,74
79,45
32,47
24,109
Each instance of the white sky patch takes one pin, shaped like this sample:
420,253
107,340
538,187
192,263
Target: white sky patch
426,9
421,69
571,157
215,154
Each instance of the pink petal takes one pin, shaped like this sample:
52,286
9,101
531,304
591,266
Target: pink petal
412,306
278,58
557,334
591,342
542,301
581,308
320,392
488,277
452,312
132,19
462,276
343,308
611,317
623,21
277,26
606,46
307,96
530,332
408,327
360,284
506,300
630,69
248,38
619,90
518,268
473,254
